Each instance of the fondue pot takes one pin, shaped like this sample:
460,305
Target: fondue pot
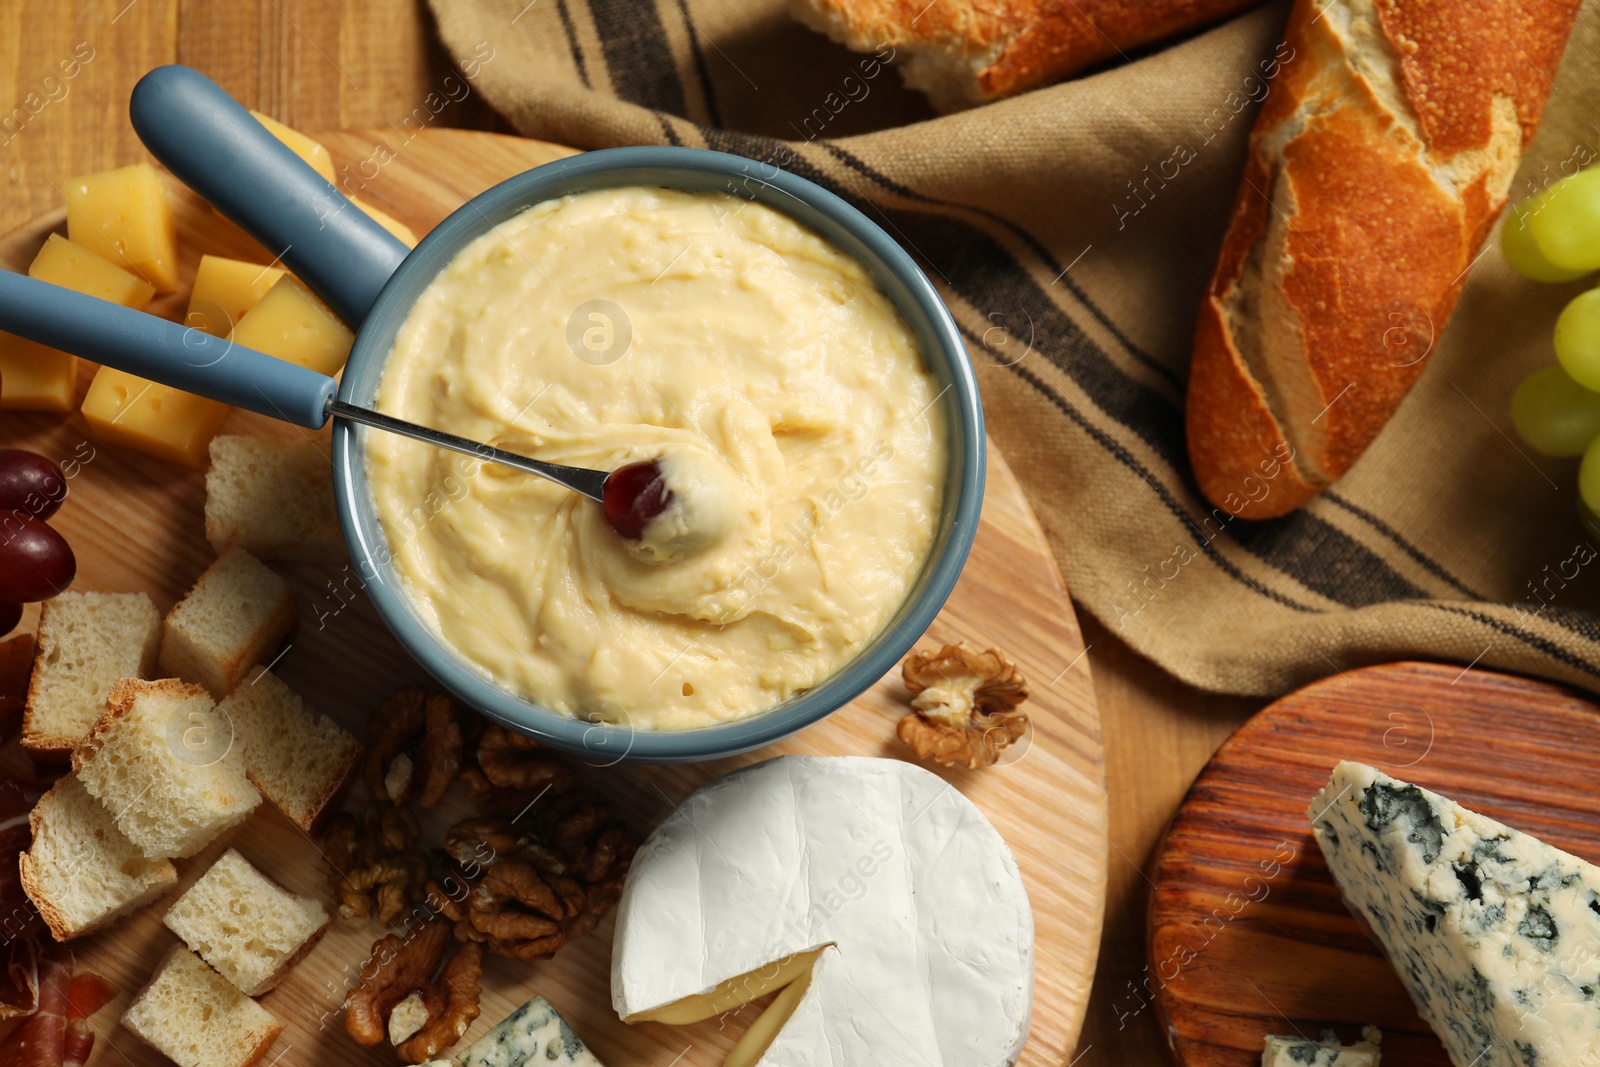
370,280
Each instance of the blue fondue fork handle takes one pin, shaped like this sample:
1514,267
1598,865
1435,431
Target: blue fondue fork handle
162,351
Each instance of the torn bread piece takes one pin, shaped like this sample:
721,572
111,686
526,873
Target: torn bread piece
238,612
81,872
167,766
300,760
197,1018
248,927
272,497
86,643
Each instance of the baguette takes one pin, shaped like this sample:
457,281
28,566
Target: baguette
961,54
1387,149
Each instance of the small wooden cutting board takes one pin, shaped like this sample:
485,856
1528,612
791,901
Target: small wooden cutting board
1248,935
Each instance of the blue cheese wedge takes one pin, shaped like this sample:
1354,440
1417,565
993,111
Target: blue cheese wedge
535,1035
1495,934
1327,1052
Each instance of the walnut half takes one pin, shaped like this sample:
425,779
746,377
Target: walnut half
400,998
967,705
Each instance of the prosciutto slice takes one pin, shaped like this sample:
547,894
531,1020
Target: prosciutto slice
19,922
41,1040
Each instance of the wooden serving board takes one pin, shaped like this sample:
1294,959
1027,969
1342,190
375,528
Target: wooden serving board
136,524
1247,933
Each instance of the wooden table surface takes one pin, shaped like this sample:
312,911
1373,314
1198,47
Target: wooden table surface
321,64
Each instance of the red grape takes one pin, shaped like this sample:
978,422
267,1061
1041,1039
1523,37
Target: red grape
10,615
634,494
36,563
30,484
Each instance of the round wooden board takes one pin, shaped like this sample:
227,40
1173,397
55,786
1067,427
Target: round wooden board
136,524
1248,935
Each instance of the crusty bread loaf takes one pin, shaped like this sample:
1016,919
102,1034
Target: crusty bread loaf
1377,166
248,927
298,758
86,642
196,1018
81,872
233,618
962,53
272,497
166,765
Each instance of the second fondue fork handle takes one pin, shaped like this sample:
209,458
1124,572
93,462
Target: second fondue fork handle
219,150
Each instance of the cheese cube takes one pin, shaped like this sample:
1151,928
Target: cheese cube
34,377
158,420
72,266
224,289
388,222
302,146
293,325
125,217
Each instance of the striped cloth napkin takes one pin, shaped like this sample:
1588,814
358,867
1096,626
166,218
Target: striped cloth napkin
1072,231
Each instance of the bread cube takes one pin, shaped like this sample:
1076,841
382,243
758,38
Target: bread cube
72,266
232,619
389,222
298,758
248,927
224,289
125,217
293,325
131,412
35,377
86,642
167,766
197,1018
81,872
311,151
272,497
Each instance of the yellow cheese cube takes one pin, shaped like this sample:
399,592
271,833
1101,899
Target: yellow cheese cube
124,217
302,146
66,263
161,421
293,325
35,378
388,222
224,289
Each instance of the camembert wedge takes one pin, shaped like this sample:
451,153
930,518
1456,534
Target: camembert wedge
874,899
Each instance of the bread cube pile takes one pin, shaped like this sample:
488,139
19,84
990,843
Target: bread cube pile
175,732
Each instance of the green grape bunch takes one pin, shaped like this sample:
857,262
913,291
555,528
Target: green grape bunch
1554,236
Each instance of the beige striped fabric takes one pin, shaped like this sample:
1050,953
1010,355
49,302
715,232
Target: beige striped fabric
1072,231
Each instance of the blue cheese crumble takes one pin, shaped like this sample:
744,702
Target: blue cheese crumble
535,1035
1301,1052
